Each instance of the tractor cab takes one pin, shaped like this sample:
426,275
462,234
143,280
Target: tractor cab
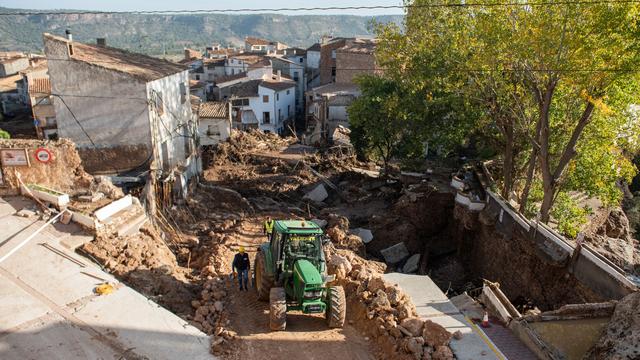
290,270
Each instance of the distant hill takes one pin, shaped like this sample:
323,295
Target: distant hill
157,34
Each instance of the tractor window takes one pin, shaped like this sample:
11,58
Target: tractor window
304,246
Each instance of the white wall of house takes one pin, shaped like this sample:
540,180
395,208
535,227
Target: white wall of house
12,67
172,127
313,59
211,73
92,97
213,131
278,106
235,66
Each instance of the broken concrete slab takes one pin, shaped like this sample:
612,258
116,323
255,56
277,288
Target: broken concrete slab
26,212
396,253
91,198
365,234
318,194
411,265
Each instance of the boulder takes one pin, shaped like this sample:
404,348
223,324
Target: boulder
442,353
365,234
394,294
413,325
218,306
414,346
381,301
375,284
318,194
411,265
435,335
396,253
339,266
321,223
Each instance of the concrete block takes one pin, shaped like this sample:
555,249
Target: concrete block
118,205
91,198
318,194
396,253
412,264
365,234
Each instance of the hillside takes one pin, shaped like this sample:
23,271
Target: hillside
155,34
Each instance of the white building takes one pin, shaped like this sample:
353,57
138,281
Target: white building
294,70
267,103
327,109
254,44
214,122
126,112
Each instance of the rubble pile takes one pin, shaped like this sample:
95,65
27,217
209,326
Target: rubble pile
210,316
239,145
621,338
610,235
338,231
386,311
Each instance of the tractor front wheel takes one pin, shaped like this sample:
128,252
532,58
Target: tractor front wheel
262,281
336,307
277,309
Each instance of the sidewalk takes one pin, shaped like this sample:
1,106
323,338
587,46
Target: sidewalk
48,309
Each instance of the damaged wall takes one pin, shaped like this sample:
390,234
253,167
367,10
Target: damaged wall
529,263
63,173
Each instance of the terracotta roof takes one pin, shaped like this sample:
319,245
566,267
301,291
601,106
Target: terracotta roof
40,86
260,64
224,79
222,52
249,59
246,88
195,84
213,62
214,110
256,41
277,85
359,46
192,53
314,47
139,66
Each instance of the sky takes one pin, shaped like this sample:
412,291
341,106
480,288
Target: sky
128,5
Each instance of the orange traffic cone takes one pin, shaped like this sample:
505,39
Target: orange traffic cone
485,320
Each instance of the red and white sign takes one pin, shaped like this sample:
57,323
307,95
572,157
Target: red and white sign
43,155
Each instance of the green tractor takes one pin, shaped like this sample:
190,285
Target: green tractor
290,271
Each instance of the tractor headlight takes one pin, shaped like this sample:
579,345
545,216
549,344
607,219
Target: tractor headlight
312,294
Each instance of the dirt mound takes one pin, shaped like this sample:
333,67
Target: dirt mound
621,339
609,235
63,173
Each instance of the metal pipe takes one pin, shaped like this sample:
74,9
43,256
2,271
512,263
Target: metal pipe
25,241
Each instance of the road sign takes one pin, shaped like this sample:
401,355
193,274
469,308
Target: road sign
43,155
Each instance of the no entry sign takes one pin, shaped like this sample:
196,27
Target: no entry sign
43,155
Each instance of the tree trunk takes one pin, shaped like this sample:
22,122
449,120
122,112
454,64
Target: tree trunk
508,165
524,197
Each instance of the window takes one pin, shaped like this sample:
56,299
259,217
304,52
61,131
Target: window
333,71
183,93
197,77
279,114
301,59
266,117
333,54
240,102
295,76
278,97
158,103
288,110
233,71
288,92
44,100
265,98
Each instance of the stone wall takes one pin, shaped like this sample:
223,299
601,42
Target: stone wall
349,65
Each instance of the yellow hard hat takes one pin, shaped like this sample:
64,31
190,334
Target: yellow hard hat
241,249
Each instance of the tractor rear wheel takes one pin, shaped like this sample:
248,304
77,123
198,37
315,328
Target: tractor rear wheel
277,309
262,281
336,307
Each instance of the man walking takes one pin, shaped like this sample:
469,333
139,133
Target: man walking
241,267
268,227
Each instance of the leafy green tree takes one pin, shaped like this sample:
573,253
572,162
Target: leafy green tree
4,134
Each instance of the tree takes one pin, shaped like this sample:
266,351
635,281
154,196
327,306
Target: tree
380,126
4,134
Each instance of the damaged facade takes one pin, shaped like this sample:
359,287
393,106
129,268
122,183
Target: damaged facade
144,100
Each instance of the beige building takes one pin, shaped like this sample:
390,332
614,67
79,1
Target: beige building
44,113
214,122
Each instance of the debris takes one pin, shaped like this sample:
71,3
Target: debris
318,194
91,198
411,265
395,253
104,289
321,223
26,212
365,234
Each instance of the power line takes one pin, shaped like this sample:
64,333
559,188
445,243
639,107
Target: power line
327,8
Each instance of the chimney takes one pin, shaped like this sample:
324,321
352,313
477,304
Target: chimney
187,54
101,42
279,77
69,36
